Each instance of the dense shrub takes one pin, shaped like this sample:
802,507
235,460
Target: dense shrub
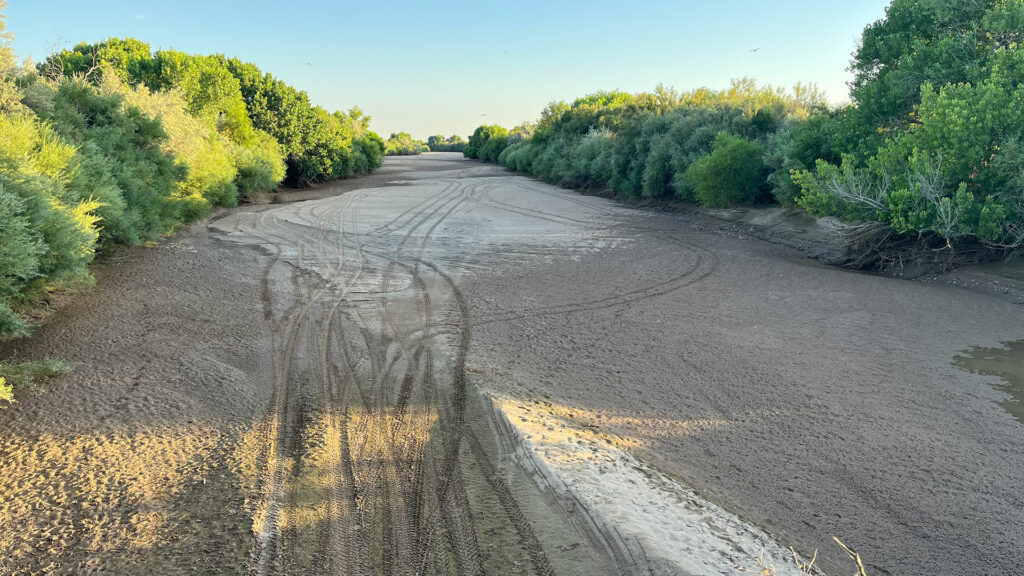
19,258
734,173
124,167
47,223
369,150
643,145
487,143
260,165
796,149
205,157
931,145
243,103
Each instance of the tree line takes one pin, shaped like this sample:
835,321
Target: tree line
113,143
704,146
439,143
403,144
930,146
245,104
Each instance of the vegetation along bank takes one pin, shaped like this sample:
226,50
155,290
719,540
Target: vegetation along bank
927,159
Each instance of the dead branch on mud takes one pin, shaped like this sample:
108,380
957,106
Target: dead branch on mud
808,568
853,556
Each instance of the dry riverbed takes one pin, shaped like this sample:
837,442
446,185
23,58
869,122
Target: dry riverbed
445,368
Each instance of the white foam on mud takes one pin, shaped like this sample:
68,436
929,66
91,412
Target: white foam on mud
673,523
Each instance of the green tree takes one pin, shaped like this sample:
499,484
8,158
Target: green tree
241,102
403,144
439,143
6,51
935,42
19,258
487,143
938,91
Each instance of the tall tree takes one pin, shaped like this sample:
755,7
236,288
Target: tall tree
935,42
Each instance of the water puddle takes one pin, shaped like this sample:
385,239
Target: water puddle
1006,363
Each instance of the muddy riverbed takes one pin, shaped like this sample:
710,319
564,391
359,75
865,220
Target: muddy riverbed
445,368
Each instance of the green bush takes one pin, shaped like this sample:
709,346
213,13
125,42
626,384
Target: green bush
260,166
659,170
205,157
123,148
734,173
113,143
519,156
636,145
60,200
36,168
371,147
799,148
19,257
403,144
489,150
487,143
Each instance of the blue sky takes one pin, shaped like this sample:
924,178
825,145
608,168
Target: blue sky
446,67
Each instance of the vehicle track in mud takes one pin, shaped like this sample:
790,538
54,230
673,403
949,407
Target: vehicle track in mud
373,300
311,388
366,448
389,331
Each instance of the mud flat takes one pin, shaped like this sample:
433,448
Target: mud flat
837,408
449,369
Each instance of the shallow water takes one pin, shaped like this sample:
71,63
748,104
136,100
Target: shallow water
1006,363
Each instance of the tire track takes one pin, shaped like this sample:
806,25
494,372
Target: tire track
369,396
527,536
705,264
521,210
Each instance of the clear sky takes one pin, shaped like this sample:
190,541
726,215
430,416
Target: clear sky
448,66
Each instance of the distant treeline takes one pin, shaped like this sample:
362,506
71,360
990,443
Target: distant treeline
439,143
932,145
402,144
112,143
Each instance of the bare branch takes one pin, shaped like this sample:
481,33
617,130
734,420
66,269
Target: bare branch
859,187
853,556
